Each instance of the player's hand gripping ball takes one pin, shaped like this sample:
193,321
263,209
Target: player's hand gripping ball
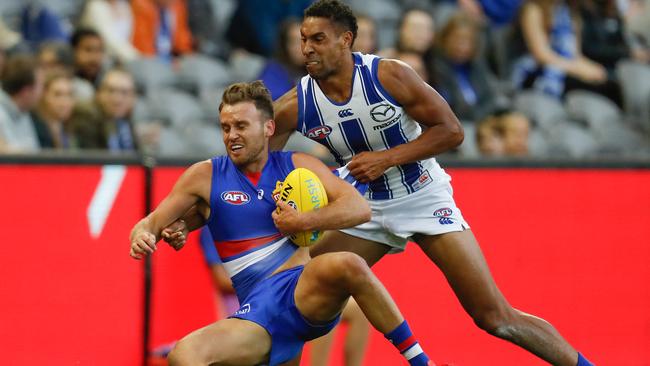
303,191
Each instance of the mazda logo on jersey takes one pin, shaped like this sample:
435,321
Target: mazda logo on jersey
382,112
235,197
319,133
345,113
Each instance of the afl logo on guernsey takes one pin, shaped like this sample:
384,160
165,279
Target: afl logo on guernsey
382,112
235,197
319,133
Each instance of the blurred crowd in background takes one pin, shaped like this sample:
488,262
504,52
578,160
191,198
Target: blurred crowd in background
538,78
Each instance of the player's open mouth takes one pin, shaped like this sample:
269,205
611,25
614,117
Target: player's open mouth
311,63
236,147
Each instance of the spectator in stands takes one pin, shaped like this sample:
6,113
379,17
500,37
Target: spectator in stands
637,19
415,61
555,63
38,23
416,34
114,22
255,30
89,57
55,56
461,77
494,12
161,28
281,73
366,41
503,135
22,84
488,138
53,112
208,38
603,35
8,38
105,122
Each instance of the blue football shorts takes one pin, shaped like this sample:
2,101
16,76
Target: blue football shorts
271,304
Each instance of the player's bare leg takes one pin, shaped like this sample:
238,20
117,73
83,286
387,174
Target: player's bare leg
230,342
336,241
330,279
356,339
461,260
320,349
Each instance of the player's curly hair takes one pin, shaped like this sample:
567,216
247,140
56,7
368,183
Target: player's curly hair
255,92
335,11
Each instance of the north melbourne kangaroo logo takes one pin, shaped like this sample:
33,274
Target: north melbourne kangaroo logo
382,112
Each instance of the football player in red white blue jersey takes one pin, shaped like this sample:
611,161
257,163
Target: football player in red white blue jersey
367,111
285,298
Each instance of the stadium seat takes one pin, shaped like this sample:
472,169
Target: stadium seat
635,82
172,143
544,111
469,148
246,67
151,73
604,119
205,140
537,143
176,107
197,72
568,138
386,14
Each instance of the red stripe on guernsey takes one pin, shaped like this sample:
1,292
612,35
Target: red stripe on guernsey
234,247
406,344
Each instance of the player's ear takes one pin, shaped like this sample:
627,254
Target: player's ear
269,128
347,39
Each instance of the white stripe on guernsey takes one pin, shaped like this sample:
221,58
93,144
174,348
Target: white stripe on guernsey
104,197
413,351
237,265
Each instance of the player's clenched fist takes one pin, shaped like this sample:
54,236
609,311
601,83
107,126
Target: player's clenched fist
287,219
176,234
142,243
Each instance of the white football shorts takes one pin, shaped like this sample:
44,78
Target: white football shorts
429,211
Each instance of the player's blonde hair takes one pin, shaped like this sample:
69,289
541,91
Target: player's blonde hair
255,92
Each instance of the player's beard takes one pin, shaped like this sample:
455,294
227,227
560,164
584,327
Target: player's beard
252,155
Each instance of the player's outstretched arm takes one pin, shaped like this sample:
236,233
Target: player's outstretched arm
191,188
176,233
286,119
346,207
423,104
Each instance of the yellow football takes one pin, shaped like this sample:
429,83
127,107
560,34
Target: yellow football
303,191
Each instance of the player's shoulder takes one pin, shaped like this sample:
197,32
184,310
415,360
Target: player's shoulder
201,169
285,108
303,160
393,70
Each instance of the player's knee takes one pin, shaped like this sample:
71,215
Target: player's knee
351,266
496,321
182,354
188,352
